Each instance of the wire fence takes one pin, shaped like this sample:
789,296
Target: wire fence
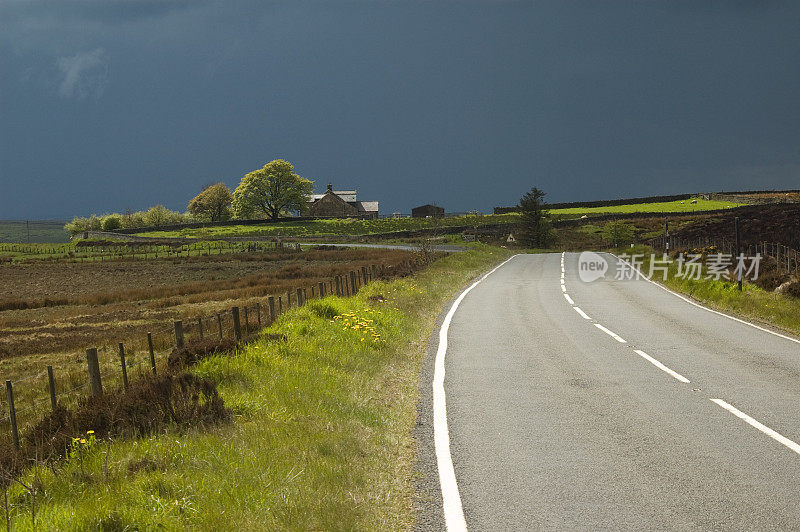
29,399
787,258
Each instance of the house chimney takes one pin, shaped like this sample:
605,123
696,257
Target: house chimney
330,187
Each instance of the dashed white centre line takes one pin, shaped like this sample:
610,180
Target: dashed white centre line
661,366
563,288
612,334
763,428
582,313
562,280
569,299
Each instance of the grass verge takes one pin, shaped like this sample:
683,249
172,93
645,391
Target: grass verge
323,406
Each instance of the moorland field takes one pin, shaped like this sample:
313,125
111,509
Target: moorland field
50,312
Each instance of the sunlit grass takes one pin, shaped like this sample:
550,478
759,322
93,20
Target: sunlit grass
336,227
666,206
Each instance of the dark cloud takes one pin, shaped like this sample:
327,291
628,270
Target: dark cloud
123,104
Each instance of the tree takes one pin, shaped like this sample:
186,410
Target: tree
271,190
619,233
160,215
112,222
212,204
534,230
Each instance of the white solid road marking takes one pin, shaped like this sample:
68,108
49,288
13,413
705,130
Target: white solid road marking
562,280
582,313
612,334
661,366
451,499
563,288
763,428
569,299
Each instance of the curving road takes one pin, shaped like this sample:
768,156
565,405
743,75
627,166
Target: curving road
616,405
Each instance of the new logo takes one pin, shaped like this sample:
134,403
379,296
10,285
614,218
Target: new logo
591,266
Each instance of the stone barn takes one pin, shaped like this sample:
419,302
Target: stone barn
340,204
425,211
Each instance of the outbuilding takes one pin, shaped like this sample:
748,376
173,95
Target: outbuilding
427,211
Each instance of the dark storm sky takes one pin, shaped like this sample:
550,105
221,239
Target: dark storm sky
109,105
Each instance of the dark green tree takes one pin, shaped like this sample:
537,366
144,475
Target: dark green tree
535,230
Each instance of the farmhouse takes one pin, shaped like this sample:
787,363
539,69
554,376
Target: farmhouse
340,204
425,211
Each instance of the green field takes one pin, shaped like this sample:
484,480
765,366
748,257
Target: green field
353,227
667,206
336,227
42,231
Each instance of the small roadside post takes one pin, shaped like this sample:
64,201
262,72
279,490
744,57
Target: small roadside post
738,251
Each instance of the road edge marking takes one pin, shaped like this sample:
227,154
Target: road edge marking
451,498
696,304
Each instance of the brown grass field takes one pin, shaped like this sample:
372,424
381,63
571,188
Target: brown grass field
51,312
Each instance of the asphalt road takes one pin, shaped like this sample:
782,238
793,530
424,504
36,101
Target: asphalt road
556,423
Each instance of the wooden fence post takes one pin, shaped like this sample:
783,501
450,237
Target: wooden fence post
51,384
352,282
312,292
200,327
124,367
246,322
321,290
219,324
94,371
237,328
300,297
258,313
152,352
12,414
271,303
280,305
178,334
338,286
289,299
363,275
